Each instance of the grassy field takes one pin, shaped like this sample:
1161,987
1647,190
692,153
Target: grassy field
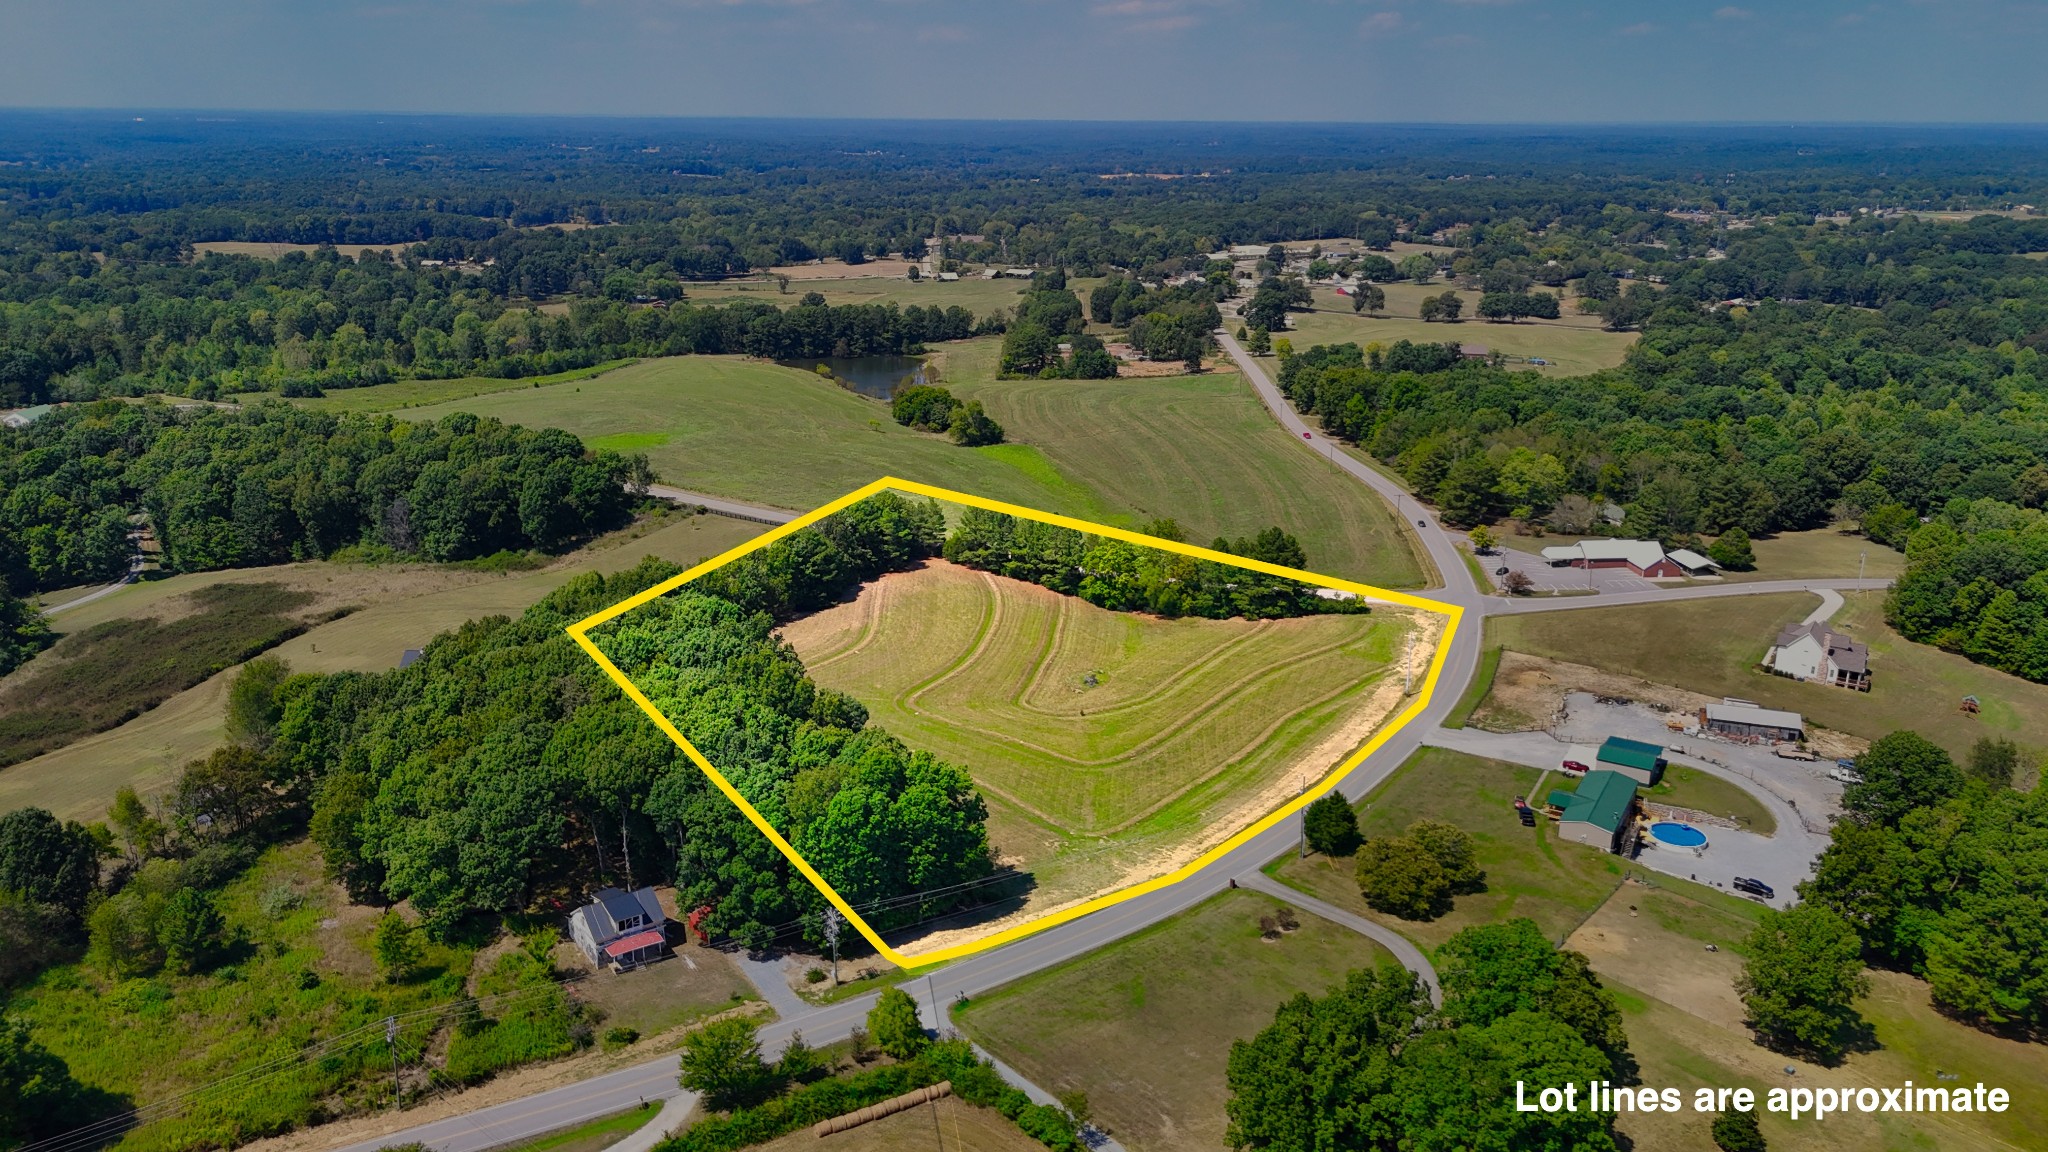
99,676
397,607
1482,683
1189,729
1572,344
1912,685
1197,449
1529,872
594,1136
402,394
1692,788
1684,1022
1144,1025
974,294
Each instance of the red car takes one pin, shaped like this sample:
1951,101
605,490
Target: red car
1575,766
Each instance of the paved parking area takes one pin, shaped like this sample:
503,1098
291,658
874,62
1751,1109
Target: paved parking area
1548,579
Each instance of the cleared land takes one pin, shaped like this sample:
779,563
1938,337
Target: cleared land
1572,344
402,394
265,250
398,606
1197,449
1112,746
1684,1021
1692,788
970,292
1144,1026
1529,872
1912,685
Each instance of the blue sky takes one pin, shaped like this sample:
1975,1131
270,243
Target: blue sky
1346,60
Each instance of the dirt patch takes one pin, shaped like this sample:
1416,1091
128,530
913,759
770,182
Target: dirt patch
1624,942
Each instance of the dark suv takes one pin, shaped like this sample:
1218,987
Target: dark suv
1754,887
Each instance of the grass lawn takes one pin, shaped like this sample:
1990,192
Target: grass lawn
947,1126
595,1135
685,988
1529,872
1482,683
1912,685
1692,788
1684,1023
1144,1026
399,606
1572,344
1109,741
1199,449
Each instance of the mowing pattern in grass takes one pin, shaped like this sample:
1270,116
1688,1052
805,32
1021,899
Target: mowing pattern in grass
1144,1025
1529,872
1199,449
1912,685
104,675
1116,734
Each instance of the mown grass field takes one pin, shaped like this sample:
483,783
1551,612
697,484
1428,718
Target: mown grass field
1185,724
946,1126
1572,344
1529,871
971,292
1692,788
1197,449
397,606
1144,1025
1711,646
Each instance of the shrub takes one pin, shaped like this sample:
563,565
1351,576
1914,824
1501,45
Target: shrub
895,1025
621,1037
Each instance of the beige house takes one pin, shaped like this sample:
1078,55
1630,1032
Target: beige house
1818,653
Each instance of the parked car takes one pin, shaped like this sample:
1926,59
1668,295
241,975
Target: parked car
1844,776
1754,887
1575,766
1501,571
1849,765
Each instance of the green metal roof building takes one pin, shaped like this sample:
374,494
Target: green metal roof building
1640,762
1598,812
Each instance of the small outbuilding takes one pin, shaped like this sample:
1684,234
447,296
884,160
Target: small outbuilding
1601,813
1749,724
1693,563
1639,761
620,929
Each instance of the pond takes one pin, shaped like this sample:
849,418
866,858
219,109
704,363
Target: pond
874,376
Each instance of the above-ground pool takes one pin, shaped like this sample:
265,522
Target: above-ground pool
1678,835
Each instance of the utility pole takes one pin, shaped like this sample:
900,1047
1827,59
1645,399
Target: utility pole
391,1041
832,938
1859,566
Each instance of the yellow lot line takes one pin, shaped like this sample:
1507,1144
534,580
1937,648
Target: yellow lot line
580,631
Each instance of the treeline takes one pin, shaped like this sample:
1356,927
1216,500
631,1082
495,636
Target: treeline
1976,582
1372,1064
1940,870
271,483
1781,418
1124,577
232,324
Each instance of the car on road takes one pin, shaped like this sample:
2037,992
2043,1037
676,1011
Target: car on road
1575,766
1754,887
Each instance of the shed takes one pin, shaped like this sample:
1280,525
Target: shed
1693,563
1599,812
1639,761
1751,724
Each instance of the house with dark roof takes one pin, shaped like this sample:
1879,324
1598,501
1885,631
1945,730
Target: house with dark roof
1601,813
620,929
1640,762
1817,652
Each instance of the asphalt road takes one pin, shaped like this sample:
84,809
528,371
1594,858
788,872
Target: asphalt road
561,1107
737,509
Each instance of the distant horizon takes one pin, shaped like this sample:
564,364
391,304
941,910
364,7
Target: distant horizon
1117,61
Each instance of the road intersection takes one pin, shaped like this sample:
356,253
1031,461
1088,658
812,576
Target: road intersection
531,1116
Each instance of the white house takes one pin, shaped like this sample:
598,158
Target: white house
1817,652
623,929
